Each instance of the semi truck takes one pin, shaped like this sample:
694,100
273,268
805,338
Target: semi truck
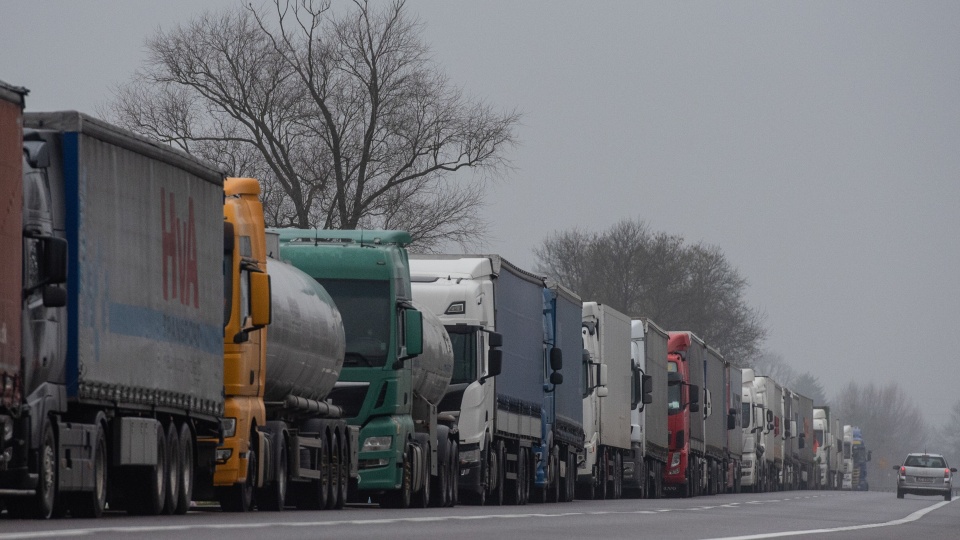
770,397
646,463
734,421
502,320
283,441
826,449
685,358
855,458
755,425
113,378
606,401
398,363
715,412
562,427
806,457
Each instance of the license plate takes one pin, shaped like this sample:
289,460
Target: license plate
925,480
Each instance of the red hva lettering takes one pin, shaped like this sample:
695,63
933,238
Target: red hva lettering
180,276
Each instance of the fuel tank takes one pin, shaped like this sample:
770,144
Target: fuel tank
305,341
433,369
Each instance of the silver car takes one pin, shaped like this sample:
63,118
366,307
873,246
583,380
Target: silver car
925,474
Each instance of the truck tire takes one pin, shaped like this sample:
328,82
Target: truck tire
239,497
333,475
42,504
343,470
454,473
173,469
423,498
273,496
147,487
403,497
185,495
441,482
90,504
498,473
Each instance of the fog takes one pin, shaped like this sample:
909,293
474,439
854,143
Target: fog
816,143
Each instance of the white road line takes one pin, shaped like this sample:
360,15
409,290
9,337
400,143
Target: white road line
912,517
92,531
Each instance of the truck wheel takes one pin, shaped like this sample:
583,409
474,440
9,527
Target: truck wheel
185,495
454,474
173,470
618,476
498,473
273,496
441,483
403,497
42,504
553,476
90,504
343,470
239,497
147,488
334,471
423,498
571,478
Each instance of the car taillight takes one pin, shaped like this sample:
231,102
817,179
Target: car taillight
903,471
946,473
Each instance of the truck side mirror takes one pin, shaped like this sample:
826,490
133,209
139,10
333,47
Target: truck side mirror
494,364
694,398
260,312
869,455
802,441
769,416
54,296
732,419
556,359
647,389
54,259
556,378
413,332
495,339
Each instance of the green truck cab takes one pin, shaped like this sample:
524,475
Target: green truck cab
396,365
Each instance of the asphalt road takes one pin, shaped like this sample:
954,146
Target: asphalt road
801,514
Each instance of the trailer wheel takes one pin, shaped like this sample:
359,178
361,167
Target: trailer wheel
273,496
147,488
333,466
454,498
173,469
185,495
343,470
90,504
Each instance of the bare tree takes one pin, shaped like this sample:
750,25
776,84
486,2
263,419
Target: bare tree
772,364
810,386
642,272
340,112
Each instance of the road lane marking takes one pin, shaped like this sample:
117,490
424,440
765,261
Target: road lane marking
911,518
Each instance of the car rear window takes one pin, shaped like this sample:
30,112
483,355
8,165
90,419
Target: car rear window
925,461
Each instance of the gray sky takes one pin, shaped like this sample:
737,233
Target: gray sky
817,143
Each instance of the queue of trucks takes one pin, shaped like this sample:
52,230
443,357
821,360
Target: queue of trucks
334,367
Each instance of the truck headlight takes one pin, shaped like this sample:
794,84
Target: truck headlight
376,444
470,456
229,427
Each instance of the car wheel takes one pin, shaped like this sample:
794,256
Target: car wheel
899,493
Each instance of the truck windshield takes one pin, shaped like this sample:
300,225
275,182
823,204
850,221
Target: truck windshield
464,341
674,388
818,436
674,395
365,308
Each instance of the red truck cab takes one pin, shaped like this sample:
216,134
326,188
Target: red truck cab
682,399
